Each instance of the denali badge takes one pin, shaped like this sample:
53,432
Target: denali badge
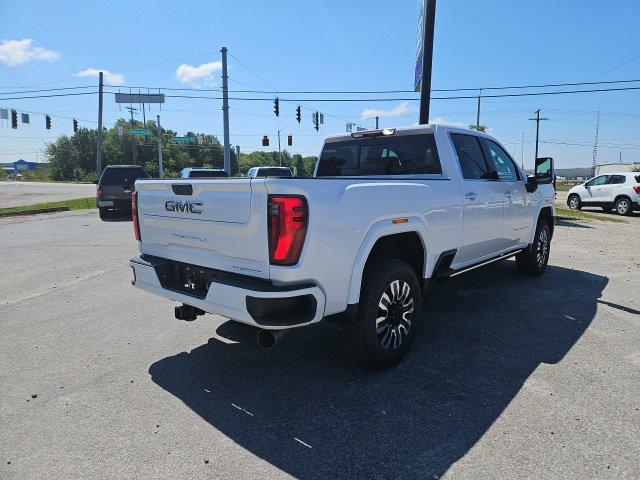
188,207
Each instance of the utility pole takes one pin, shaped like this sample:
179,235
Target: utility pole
522,151
99,139
620,156
377,122
537,119
225,112
159,135
595,146
131,110
427,57
478,112
238,157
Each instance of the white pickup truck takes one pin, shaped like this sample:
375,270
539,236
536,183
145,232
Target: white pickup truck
386,211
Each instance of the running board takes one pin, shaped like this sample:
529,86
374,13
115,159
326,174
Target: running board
449,272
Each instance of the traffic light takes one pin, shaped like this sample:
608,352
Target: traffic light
47,122
75,125
276,107
298,116
14,119
290,140
316,120
265,141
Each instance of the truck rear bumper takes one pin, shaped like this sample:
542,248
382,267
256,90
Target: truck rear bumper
244,299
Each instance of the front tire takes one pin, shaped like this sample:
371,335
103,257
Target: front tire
388,314
532,262
574,202
623,206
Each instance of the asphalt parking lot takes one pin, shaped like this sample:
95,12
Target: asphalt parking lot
509,378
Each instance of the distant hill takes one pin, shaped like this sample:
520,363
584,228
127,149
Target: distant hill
573,172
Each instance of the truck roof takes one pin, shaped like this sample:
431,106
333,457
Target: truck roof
430,127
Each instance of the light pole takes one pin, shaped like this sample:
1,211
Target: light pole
279,154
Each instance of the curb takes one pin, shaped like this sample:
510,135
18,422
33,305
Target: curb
34,212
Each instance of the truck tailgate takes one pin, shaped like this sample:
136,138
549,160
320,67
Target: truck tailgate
219,224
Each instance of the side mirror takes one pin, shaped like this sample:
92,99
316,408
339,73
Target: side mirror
544,170
95,182
532,184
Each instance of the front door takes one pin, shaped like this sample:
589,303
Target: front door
594,189
483,201
518,208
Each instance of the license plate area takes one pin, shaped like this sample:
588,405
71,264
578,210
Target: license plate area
184,278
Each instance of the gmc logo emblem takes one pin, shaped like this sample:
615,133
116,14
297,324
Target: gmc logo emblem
185,207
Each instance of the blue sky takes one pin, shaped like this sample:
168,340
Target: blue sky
328,45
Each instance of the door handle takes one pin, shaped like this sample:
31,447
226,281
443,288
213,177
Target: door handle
471,196
508,194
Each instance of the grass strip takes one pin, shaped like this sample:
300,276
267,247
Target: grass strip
73,204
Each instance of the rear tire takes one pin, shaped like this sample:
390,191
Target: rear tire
533,261
623,206
103,212
574,202
388,314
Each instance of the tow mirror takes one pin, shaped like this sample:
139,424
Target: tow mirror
544,170
532,184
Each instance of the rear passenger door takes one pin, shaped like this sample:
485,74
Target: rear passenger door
518,208
609,190
483,200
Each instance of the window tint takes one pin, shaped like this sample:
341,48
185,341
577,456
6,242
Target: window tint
601,180
207,174
122,176
402,155
616,179
501,161
273,172
470,156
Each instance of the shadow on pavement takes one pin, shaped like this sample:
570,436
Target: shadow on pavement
304,408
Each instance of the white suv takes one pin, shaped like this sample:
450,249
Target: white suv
619,191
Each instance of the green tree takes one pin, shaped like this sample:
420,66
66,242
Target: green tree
479,128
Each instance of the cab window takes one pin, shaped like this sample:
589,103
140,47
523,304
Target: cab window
470,156
501,162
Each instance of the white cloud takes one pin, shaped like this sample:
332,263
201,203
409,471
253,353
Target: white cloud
17,52
201,75
109,77
396,111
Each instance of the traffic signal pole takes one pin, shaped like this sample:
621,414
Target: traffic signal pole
159,135
225,112
427,57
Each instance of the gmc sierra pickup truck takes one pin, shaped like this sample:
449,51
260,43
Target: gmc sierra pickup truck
386,211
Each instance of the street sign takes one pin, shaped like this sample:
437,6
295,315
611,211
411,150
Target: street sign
140,131
139,97
184,139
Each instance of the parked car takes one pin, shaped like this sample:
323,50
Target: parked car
203,173
259,172
619,191
388,211
115,186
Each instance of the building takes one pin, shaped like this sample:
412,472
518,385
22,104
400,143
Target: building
616,167
13,168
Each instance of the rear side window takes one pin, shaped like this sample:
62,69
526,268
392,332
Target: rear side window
274,172
638,178
122,176
617,179
207,174
470,156
402,155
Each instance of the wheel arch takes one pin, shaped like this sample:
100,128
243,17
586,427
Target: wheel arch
408,241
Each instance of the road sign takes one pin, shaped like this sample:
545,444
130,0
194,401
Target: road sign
184,139
139,97
140,131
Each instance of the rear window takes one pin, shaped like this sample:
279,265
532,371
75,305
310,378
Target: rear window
402,155
122,176
207,174
273,172
638,178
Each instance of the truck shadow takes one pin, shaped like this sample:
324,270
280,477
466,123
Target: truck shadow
306,410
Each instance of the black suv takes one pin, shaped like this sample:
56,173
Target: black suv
115,187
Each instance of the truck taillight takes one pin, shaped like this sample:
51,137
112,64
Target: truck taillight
100,192
287,217
134,215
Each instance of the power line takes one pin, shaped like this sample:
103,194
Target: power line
48,96
614,68
46,90
253,71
